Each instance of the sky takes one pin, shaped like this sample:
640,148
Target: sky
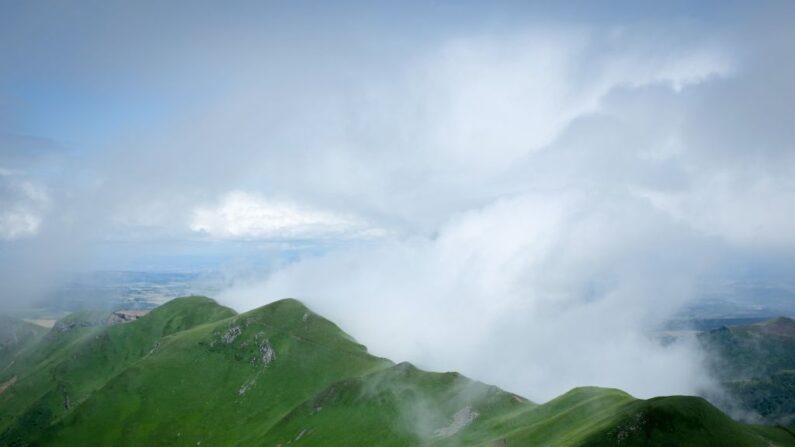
515,190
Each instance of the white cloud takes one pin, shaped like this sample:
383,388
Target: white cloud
753,214
555,188
22,205
538,293
15,224
489,101
242,215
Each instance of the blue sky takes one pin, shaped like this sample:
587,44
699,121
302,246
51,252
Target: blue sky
461,174
80,73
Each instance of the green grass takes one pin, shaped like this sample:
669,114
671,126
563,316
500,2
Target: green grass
192,372
397,406
189,389
67,366
677,420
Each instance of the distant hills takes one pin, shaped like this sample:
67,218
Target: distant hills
192,372
756,363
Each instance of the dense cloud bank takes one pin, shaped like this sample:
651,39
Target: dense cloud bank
518,196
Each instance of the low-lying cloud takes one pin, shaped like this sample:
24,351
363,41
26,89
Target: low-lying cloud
537,293
23,203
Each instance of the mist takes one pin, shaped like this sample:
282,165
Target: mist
522,195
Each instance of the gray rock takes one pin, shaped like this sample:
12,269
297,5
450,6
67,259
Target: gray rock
267,353
231,334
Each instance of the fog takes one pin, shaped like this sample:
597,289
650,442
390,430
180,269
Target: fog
518,193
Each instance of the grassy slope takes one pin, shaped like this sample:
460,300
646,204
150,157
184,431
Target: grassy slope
405,407
211,385
398,406
194,372
681,421
66,367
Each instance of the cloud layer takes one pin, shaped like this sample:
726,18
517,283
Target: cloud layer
245,216
537,190
23,205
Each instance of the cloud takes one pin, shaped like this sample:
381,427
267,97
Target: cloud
515,94
537,293
545,190
570,199
23,204
246,216
751,215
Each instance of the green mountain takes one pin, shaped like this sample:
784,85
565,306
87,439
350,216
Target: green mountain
192,372
756,363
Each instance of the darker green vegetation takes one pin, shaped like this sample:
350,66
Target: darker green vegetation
756,363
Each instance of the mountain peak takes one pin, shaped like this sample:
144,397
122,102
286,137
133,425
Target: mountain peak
291,304
185,312
781,326
284,312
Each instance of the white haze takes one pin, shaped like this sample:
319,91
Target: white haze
537,293
520,198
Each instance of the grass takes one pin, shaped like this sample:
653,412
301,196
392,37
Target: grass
193,372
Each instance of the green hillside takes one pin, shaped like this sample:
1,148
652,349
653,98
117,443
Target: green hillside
192,372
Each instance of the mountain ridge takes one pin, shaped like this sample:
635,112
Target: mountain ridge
193,371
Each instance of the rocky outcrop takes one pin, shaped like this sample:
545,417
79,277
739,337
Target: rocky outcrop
231,334
461,419
267,353
7,384
125,316
64,326
93,319
245,387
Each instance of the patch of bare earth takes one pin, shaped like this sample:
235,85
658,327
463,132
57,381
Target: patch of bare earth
42,322
7,384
